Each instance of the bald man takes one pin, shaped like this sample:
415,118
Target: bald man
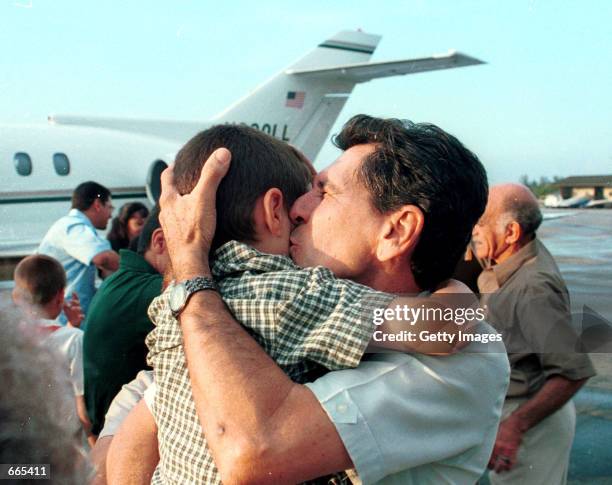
528,303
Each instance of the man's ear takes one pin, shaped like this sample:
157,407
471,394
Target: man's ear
158,241
401,232
274,211
513,233
96,205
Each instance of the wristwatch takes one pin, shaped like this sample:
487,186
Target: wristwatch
181,292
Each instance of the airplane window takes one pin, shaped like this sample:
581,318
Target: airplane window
61,163
23,163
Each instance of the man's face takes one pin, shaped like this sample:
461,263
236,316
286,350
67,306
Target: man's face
337,224
488,234
103,214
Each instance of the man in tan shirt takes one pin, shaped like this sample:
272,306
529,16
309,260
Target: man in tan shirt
528,303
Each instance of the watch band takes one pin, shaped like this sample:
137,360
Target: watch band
190,287
200,283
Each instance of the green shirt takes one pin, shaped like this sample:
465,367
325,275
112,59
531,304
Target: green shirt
117,324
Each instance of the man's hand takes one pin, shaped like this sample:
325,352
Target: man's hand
509,437
72,310
189,220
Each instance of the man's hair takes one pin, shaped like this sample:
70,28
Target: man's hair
33,402
259,163
42,276
525,212
152,223
86,193
420,164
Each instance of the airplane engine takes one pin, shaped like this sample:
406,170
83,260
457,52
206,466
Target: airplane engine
153,182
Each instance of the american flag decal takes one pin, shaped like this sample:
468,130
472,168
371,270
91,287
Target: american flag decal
295,99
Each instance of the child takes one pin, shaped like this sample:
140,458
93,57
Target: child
39,291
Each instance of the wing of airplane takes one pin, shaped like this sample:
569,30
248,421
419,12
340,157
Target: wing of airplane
168,129
363,72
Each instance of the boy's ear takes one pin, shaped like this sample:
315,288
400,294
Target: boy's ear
274,210
59,298
158,242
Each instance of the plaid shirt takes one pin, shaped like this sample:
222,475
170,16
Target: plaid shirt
307,320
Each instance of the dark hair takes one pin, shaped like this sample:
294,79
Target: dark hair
152,223
118,234
43,277
420,164
86,193
259,163
526,213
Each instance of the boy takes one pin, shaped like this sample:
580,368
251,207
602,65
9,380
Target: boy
39,291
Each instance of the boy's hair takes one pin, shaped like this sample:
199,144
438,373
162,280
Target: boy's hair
259,163
42,276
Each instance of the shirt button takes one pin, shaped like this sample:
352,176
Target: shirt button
342,408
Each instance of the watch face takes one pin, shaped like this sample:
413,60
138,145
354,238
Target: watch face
178,296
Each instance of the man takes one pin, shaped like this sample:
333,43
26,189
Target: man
117,323
39,291
256,408
75,243
528,303
306,319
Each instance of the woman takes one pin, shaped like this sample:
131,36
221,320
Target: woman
127,225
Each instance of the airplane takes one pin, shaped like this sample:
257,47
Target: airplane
298,105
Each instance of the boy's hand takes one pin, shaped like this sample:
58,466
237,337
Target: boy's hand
72,310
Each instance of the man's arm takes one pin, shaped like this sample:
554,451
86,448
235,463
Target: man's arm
133,455
107,262
98,459
260,426
555,392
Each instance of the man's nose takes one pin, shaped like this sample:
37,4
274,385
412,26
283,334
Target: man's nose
300,211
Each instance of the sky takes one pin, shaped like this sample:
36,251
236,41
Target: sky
541,106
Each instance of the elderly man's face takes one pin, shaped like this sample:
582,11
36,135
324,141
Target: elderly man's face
337,225
488,233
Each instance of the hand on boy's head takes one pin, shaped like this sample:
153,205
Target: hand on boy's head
189,220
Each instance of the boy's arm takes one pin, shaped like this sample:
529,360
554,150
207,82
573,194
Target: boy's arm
84,419
418,323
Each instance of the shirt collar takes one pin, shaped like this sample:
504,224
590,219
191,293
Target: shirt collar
504,270
237,257
80,215
135,262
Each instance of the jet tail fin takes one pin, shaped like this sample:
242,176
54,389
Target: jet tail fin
286,105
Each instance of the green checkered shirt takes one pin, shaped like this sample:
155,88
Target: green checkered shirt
307,320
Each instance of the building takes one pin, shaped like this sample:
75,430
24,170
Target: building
595,187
